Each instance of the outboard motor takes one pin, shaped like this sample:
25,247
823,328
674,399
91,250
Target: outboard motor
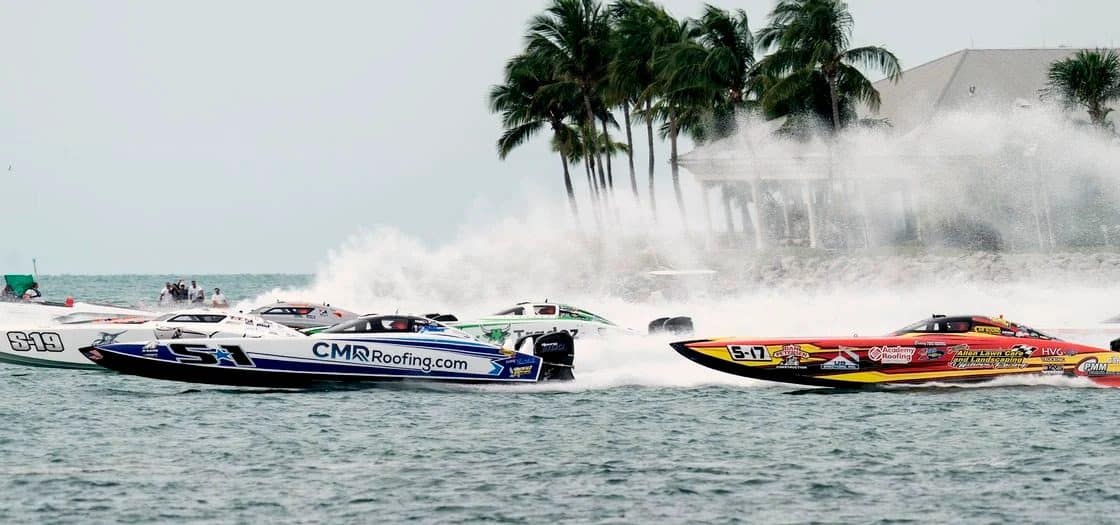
681,325
1114,345
557,353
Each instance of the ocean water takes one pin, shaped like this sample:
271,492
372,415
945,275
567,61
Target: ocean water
642,436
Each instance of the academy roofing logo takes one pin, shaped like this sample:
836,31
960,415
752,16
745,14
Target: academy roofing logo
845,359
891,355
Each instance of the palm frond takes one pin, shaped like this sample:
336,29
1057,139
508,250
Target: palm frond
516,136
876,58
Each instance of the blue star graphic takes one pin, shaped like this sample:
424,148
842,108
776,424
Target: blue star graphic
222,354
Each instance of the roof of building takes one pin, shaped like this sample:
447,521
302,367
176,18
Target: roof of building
992,78
988,79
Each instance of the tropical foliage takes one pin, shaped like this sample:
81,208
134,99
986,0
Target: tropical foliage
585,62
1090,80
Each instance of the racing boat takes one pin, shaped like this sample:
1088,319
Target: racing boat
529,318
936,350
303,315
56,344
370,348
46,312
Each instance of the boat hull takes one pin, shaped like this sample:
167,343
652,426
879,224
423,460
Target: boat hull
303,362
867,363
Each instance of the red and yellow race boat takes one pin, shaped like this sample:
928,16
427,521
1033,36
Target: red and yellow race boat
940,349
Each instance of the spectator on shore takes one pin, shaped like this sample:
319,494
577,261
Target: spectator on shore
195,293
167,294
181,291
218,300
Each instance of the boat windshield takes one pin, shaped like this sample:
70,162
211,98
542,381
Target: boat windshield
380,324
568,312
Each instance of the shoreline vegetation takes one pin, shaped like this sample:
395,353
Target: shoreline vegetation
597,78
585,63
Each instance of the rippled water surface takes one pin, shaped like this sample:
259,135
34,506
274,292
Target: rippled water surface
89,446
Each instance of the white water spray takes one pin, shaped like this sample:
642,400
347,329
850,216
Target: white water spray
539,255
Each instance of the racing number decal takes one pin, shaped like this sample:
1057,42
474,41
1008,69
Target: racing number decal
748,353
204,355
38,341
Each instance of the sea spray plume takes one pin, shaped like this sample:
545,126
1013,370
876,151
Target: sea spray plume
968,164
1017,178
515,259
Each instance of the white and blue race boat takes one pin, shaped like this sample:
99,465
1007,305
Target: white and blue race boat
370,348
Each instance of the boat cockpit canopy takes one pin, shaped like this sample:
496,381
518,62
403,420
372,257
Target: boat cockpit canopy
191,318
379,324
940,324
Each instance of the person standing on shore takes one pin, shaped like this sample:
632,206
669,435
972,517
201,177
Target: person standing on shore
195,293
166,295
218,300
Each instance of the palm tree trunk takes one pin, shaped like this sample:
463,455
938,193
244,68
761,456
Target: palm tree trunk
835,103
649,136
568,187
592,188
673,132
607,148
630,150
591,127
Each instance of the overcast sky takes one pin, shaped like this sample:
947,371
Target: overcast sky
226,137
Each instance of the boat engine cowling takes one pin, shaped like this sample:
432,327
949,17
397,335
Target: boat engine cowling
557,353
1114,345
681,325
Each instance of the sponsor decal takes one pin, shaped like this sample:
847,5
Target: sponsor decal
928,343
1053,359
106,338
892,355
1053,370
376,356
1015,357
748,353
987,330
1095,368
37,341
1049,352
845,359
791,356
930,354
203,355
498,334
519,371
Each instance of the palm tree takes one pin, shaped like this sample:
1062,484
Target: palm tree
640,28
1089,79
684,90
812,37
572,37
529,100
730,44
